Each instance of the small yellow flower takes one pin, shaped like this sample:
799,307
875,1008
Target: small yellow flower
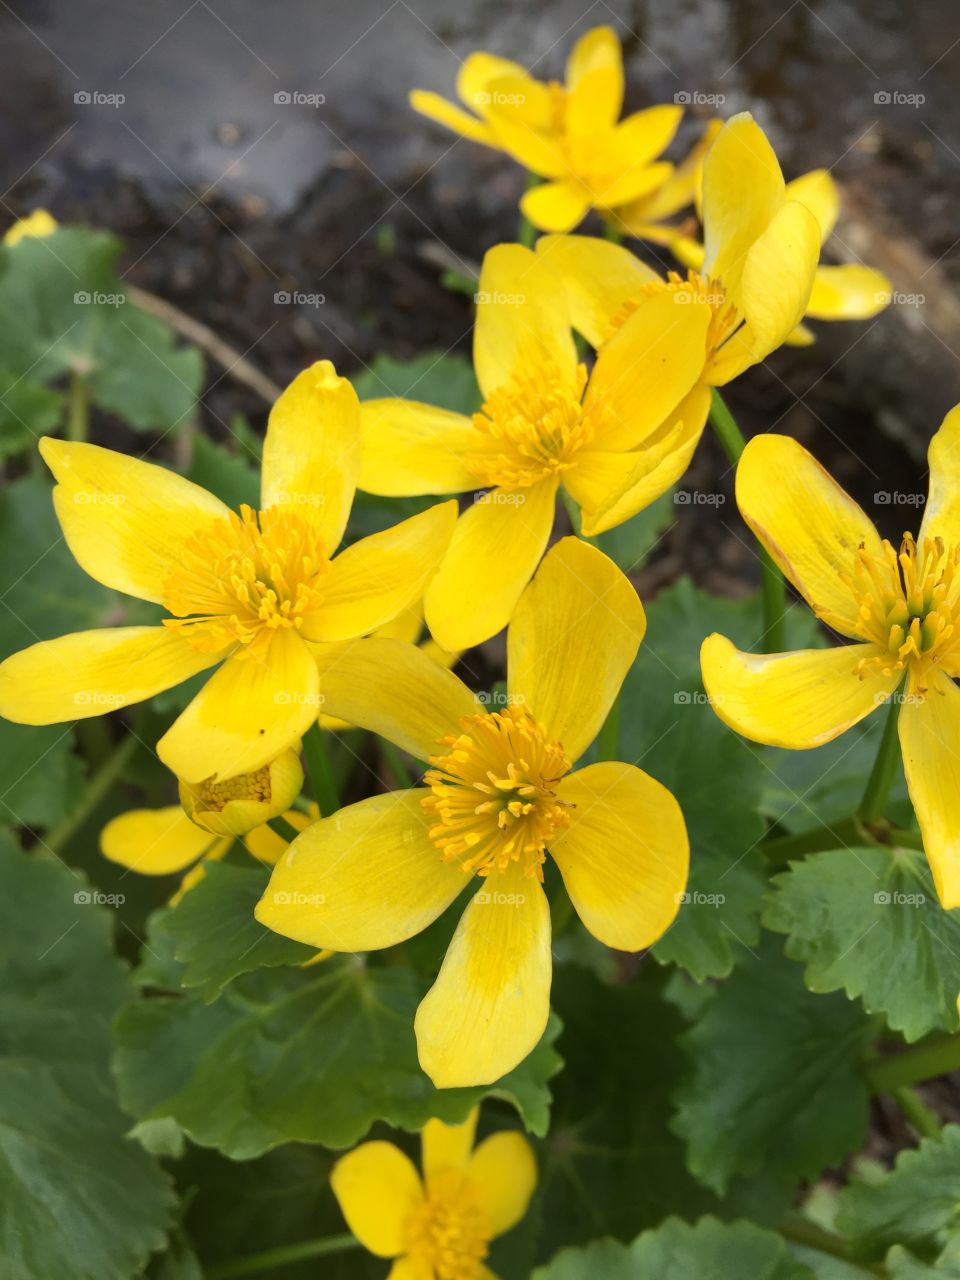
257,592
646,218
437,1227
900,605
615,440
499,796
755,278
248,800
568,134
38,224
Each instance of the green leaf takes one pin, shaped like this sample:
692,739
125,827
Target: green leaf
27,411
313,1055
216,936
916,1204
775,1081
42,777
233,477
435,377
868,921
680,1251
902,1265
80,1198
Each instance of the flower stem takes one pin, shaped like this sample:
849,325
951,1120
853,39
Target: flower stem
282,828
773,587
281,1257
391,755
78,408
608,741
802,1231
885,767
322,781
924,1061
98,786
916,1112
526,232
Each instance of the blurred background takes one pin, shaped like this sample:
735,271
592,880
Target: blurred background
245,151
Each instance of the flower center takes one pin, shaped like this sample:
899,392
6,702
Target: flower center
492,793
695,290
245,577
216,796
533,427
449,1230
909,603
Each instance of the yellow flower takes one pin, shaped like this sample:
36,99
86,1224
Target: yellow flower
499,795
437,1227
901,606
248,800
568,134
646,218
758,265
250,591
615,440
40,223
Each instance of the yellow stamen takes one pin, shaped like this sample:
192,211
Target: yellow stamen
245,786
696,290
244,577
492,793
448,1231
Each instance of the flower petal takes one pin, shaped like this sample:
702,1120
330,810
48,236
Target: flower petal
930,740
394,689
252,709
368,877
596,50
941,517
742,190
778,276
477,72
681,189
503,1173
848,292
489,1005
625,855
311,454
494,550
537,148
413,1268
125,521
377,1188
380,576
154,842
571,642
411,448
810,526
266,846
89,673
522,318
818,191
598,276
435,107
556,206
447,1146
796,700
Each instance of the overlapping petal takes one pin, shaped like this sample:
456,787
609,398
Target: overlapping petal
599,277
504,1173
155,842
929,726
377,1188
743,188
411,448
848,292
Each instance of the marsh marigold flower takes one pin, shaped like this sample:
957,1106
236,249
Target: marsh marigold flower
758,267
249,591
901,606
500,794
615,439
567,134
438,1226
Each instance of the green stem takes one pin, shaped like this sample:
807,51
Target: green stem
773,587
281,1257
612,233
927,1060
802,1231
98,786
394,759
885,767
526,232
322,781
608,741
78,408
916,1112
281,827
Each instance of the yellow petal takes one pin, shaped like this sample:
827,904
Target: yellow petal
596,50
574,635
377,1188
538,149
411,448
154,842
252,709
802,335
447,1146
311,454
394,689
90,673
556,206
598,276
631,149
818,191
243,803
503,1173
37,224
778,276
267,847
848,292
941,516
489,1005
125,521
930,739
742,190
416,1268
593,105
810,526
494,550
381,575
477,72
368,877
739,352
682,188
437,108
522,318
649,365
625,855
796,700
